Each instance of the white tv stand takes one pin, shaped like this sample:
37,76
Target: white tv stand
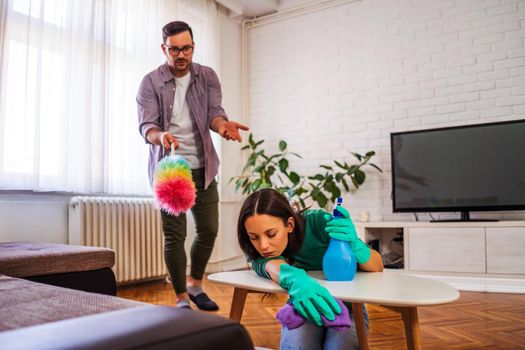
471,256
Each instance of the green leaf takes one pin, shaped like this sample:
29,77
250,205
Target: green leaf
331,187
354,182
294,177
340,165
357,155
256,184
352,169
318,177
283,165
336,192
297,155
320,198
245,147
271,170
339,177
282,145
266,184
303,204
360,176
375,166
370,154
258,143
250,140
251,160
300,190
328,167
259,168
345,185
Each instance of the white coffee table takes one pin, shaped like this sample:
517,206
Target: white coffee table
391,288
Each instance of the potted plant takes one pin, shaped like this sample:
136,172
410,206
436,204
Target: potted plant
273,171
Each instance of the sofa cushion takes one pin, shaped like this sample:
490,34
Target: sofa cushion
24,303
25,259
146,328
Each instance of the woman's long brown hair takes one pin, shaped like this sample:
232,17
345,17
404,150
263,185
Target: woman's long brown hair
270,202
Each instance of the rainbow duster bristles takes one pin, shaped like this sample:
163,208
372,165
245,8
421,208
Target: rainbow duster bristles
173,184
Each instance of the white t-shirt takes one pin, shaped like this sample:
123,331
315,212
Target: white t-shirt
181,124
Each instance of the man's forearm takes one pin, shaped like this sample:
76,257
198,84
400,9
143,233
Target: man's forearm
153,136
217,122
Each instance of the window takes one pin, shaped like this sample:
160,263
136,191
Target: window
69,74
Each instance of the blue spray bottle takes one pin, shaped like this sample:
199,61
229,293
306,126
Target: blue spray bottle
339,263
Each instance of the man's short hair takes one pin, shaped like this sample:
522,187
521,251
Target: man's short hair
174,28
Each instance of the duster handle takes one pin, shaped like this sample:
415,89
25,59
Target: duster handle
172,153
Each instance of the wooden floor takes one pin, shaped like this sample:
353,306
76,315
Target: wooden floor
475,321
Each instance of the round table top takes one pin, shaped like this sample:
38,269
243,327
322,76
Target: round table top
390,287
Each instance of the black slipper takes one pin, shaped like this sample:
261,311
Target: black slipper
203,302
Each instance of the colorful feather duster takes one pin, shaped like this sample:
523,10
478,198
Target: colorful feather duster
173,185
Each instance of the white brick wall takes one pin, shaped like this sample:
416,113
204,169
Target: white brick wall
344,78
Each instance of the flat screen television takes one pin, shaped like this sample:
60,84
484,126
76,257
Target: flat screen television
459,169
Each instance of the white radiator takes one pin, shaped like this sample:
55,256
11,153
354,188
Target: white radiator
130,226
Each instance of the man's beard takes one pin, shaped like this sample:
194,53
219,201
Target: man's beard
181,61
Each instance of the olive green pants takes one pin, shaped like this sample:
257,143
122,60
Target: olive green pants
206,217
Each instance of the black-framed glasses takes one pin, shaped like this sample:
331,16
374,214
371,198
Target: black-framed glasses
174,50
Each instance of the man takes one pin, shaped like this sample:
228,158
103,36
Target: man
178,104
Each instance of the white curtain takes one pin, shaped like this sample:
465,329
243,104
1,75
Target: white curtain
69,74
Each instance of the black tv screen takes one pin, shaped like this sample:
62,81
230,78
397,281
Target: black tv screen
468,168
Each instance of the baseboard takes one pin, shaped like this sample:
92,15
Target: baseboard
480,284
234,263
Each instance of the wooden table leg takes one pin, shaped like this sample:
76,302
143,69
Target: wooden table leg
411,321
238,300
412,332
360,325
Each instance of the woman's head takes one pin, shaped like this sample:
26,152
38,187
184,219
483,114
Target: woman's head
268,225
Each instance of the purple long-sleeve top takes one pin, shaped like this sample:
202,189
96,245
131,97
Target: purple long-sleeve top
155,103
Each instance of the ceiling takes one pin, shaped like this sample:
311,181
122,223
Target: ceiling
257,8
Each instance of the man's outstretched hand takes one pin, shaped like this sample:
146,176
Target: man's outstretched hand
230,130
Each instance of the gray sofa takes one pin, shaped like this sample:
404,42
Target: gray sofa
41,316
71,266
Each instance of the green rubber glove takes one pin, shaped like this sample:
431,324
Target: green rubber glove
343,229
308,297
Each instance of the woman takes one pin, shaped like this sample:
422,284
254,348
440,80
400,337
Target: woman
282,244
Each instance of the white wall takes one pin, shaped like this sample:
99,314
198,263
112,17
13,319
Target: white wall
28,217
345,77
226,253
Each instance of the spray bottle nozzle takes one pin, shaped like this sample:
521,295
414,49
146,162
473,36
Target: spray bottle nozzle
336,213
